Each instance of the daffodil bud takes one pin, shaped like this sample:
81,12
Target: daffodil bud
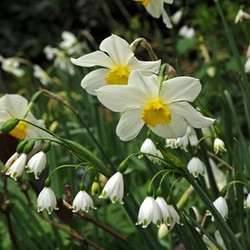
9,125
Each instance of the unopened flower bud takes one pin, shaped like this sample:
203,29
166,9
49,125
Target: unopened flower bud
219,146
9,125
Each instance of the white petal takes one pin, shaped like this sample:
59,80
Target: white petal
151,66
154,8
182,88
118,49
94,80
147,84
166,19
120,98
176,128
15,104
97,58
193,117
130,125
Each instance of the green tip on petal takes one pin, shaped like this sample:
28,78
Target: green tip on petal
113,199
145,223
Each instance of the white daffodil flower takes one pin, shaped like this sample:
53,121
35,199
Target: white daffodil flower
195,167
148,147
46,200
10,161
37,164
15,106
40,74
82,201
70,43
12,65
166,112
248,201
114,188
241,15
117,61
149,212
219,146
156,9
187,32
221,205
16,169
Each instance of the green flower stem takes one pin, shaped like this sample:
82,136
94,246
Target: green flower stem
161,76
143,42
225,230
65,166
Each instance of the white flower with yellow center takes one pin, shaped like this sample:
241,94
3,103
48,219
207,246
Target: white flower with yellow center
117,61
156,9
166,112
15,106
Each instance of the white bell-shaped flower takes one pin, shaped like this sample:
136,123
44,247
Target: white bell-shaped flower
221,205
149,212
164,210
10,161
148,147
174,216
82,201
219,146
17,168
37,163
46,200
195,167
114,188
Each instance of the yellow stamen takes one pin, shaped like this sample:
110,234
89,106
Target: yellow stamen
118,75
145,2
19,131
155,112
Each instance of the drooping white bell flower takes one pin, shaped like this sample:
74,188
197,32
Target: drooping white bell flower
117,61
47,200
219,146
247,65
156,9
10,161
40,74
114,188
187,32
12,65
195,167
166,217
176,17
241,15
149,212
182,142
148,147
174,216
17,168
15,106
166,112
82,201
37,164
218,238
221,205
